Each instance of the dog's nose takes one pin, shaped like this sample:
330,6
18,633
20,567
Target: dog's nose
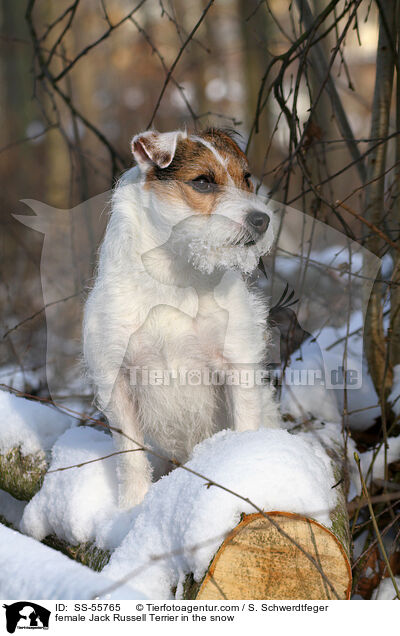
257,221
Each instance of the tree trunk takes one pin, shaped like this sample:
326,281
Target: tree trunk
394,340
256,29
322,74
374,337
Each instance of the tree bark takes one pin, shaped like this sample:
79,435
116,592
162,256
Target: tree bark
22,475
394,339
374,337
256,31
323,75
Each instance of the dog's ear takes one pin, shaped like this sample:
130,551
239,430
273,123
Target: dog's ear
154,148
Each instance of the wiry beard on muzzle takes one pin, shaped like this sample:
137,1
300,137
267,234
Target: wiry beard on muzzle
215,244
207,255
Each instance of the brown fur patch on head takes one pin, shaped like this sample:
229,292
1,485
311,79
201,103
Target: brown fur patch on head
194,159
223,139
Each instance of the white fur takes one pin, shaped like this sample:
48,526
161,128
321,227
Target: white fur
169,294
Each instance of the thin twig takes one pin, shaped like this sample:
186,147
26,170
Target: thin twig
37,313
175,62
371,226
376,528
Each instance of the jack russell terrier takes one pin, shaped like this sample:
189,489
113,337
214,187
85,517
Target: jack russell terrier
172,330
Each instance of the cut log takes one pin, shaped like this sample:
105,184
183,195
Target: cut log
22,475
86,553
256,561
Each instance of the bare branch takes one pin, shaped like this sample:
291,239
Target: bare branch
175,62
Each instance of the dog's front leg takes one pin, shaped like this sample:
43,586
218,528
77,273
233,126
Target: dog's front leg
253,406
246,407
134,471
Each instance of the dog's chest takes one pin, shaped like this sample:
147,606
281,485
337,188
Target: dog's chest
223,329
172,338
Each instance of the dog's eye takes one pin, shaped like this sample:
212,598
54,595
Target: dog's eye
246,178
203,183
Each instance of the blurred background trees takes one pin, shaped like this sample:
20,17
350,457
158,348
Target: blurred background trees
311,85
297,79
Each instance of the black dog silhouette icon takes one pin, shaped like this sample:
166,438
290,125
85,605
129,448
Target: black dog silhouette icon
26,614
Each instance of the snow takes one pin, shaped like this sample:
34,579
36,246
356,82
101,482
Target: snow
364,395
325,434
19,379
29,569
378,467
79,504
183,521
29,425
179,511
385,590
10,508
320,401
394,396
316,400
329,435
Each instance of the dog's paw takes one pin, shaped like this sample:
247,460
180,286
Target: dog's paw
132,492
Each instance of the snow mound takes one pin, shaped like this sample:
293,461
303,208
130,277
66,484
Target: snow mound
29,425
385,590
183,520
10,508
78,504
29,569
19,379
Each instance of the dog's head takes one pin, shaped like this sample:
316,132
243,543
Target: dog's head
201,184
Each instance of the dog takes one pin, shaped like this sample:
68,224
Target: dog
171,328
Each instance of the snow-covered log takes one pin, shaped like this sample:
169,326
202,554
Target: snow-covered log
230,478
282,555
86,553
22,475
29,569
208,508
28,432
